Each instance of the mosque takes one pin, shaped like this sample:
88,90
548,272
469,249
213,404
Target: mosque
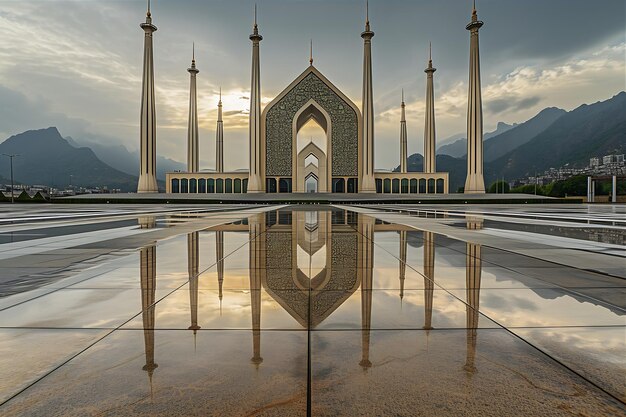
344,165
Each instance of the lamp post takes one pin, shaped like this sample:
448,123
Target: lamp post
11,156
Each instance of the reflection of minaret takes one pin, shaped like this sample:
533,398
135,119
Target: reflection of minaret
403,138
474,183
256,268
429,278
148,297
219,138
402,272
367,180
219,255
367,262
147,144
254,176
429,123
192,126
192,265
472,285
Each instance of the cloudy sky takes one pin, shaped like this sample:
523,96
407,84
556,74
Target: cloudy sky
77,64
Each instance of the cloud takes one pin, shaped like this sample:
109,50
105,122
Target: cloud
511,103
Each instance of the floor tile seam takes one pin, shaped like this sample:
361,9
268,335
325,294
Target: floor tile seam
46,374
519,215
356,328
65,287
564,365
435,283
604,303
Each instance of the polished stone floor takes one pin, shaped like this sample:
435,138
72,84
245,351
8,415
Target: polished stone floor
324,310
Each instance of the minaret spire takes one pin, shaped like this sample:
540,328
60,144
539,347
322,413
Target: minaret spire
219,138
474,182
403,137
254,175
311,53
147,138
429,122
366,183
192,126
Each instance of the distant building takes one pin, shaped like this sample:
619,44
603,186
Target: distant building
594,162
609,159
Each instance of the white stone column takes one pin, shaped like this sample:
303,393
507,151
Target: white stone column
192,126
147,143
614,189
219,138
429,122
403,138
254,176
367,183
474,182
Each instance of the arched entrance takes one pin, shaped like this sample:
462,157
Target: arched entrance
311,97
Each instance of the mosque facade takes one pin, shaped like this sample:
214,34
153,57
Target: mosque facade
276,164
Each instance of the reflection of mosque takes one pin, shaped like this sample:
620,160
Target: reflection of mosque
309,294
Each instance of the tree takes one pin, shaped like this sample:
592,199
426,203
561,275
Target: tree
499,187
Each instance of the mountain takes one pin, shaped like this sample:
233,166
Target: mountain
123,160
47,158
589,130
458,147
498,145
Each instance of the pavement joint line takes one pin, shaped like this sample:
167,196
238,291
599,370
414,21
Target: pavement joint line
49,372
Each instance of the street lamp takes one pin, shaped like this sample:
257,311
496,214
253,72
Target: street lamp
11,156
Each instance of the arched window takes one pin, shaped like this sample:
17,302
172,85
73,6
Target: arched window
339,185
284,185
431,186
228,185
193,185
387,186
184,185
440,186
202,185
219,185
353,185
211,186
237,184
422,185
270,185
395,186
175,185
310,184
413,186
379,185
244,185
404,186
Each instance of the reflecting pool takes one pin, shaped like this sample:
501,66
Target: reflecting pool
310,310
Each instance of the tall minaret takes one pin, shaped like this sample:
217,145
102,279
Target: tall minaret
219,138
254,176
429,279
147,142
473,272
367,183
429,122
219,255
402,264
474,183
192,266
192,127
402,137
148,299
